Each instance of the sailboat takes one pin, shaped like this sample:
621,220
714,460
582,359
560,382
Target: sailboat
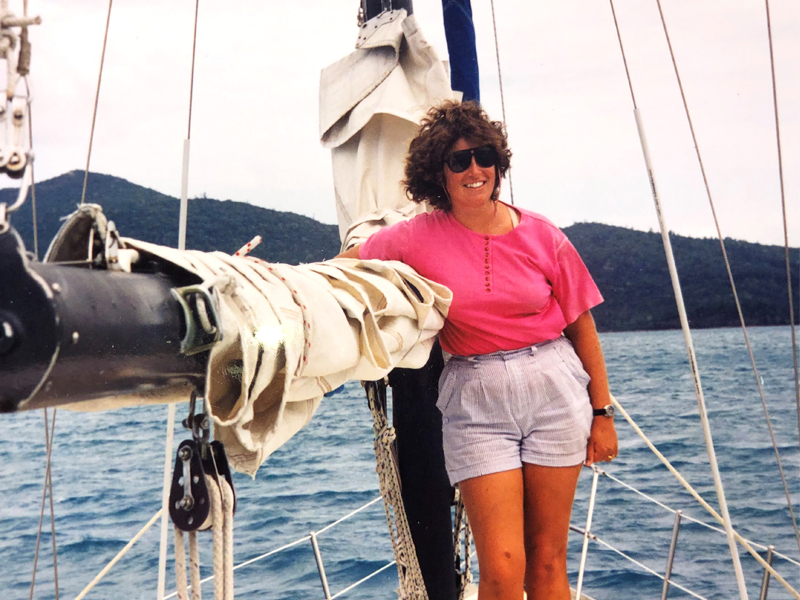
518,189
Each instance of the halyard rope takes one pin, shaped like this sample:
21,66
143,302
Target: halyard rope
96,102
733,284
687,335
221,516
745,543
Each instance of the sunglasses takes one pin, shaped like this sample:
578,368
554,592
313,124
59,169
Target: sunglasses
485,157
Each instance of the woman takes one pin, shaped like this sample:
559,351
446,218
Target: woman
523,406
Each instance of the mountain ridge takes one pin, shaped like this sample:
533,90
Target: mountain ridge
628,265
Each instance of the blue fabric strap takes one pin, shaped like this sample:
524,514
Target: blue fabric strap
460,33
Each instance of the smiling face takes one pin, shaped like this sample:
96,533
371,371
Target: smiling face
471,188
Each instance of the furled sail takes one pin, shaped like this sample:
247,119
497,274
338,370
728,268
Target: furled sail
371,103
288,334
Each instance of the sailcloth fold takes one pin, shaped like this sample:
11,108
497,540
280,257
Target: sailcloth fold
293,333
371,103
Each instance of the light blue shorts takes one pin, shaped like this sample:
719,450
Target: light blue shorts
502,409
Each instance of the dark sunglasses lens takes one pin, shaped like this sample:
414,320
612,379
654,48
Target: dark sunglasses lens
485,156
460,161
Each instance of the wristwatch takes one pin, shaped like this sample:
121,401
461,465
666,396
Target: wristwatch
607,411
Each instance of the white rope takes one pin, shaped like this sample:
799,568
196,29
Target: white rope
217,535
227,532
702,502
119,555
180,565
165,488
194,565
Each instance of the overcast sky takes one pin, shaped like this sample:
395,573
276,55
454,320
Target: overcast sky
569,113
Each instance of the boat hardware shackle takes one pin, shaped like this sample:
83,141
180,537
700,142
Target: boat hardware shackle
199,424
199,304
15,161
6,210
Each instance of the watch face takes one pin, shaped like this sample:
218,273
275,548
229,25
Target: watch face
606,411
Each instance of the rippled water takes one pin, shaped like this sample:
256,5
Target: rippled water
107,479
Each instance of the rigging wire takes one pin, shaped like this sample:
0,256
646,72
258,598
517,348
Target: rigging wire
688,487
33,179
785,224
502,95
732,282
48,484
96,102
687,334
162,552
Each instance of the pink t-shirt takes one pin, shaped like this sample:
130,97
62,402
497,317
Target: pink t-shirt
509,291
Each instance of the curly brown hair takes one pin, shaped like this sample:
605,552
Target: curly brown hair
439,131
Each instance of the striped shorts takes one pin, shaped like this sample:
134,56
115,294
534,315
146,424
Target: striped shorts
502,409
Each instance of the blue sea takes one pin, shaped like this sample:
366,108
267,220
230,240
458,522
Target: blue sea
107,473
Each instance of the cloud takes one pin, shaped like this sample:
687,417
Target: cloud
576,151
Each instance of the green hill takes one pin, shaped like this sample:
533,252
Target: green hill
629,266
145,214
630,269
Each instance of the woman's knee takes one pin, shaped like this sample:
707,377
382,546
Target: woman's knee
546,557
503,567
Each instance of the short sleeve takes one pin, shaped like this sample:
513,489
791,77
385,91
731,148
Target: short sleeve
573,286
390,243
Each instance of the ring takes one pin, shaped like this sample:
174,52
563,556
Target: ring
611,457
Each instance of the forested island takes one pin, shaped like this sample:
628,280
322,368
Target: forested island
629,266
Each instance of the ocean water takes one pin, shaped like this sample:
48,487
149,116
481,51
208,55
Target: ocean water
107,478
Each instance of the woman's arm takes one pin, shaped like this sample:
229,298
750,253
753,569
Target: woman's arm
603,438
350,253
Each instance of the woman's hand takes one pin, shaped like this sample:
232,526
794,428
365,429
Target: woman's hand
351,253
603,437
602,444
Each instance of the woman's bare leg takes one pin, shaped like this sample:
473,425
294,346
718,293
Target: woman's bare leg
495,509
549,492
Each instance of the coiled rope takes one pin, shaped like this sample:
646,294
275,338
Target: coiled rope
412,587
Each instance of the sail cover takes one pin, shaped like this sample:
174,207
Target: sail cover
371,103
290,334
